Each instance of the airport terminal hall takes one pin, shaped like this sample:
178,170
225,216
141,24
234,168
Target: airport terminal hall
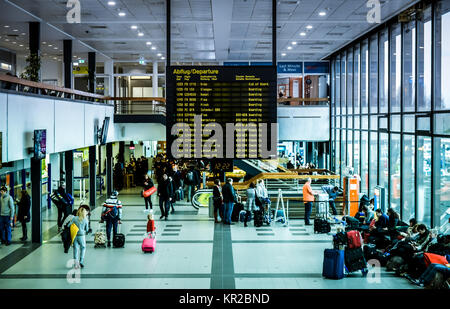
224,145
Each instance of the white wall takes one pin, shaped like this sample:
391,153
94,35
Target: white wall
304,123
69,125
50,69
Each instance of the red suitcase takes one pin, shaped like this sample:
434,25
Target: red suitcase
149,192
354,239
149,243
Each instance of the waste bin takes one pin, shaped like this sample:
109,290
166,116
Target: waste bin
211,207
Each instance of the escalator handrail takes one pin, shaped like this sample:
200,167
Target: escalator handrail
198,192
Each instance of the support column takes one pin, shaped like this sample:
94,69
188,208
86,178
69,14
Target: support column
92,177
49,186
91,69
109,169
36,198
35,41
109,70
68,163
155,79
67,68
11,184
24,179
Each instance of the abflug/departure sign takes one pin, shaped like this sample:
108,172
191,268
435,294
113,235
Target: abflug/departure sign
221,112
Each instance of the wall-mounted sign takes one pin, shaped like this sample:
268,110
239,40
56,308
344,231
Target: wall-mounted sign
80,70
290,67
317,67
40,144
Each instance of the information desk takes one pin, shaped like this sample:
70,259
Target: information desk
221,96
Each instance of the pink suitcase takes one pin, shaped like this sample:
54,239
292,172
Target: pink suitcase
149,243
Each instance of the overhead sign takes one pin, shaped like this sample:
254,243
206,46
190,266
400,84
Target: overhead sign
290,67
235,103
81,70
317,67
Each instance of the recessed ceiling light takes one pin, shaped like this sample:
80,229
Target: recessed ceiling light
153,47
55,48
323,13
134,27
14,42
44,43
50,45
309,27
149,43
15,30
289,47
6,26
294,43
111,3
23,33
122,14
283,54
140,34
7,40
163,58
159,55
21,45
302,33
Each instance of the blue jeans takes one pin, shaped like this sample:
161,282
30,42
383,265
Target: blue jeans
333,207
431,271
228,210
191,191
111,224
308,207
79,244
5,228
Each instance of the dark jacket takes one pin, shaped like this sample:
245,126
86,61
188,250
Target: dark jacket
165,190
382,222
148,184
217,195
24,209
228,193
194,181
177,181
393,221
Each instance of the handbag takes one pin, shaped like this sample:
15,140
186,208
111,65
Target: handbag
73,232
149,192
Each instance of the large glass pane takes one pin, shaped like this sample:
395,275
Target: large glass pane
442,184
338,85
343,83
349,82
395,172
424,62
374,74
396,75
356,158
373,160
364,162
344,149
424,180
384,71
356,80
350,148
442,124
408,178
443,56
364,77
409,66
333,87
338,153
384,167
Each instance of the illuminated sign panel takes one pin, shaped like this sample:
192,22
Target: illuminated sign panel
214,110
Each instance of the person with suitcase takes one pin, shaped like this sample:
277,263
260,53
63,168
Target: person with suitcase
111,214
333,192
79,244
218,201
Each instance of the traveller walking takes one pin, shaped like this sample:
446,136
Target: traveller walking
148,183
308,199
79,243
229,197
6,215
23,213
165,193
112,214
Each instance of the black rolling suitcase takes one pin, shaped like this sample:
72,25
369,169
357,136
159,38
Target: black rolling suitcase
238,207
354,259
259,218
119,240
321,226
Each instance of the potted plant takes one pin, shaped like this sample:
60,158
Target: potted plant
33,68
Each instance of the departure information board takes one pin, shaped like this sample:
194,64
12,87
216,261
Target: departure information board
220,108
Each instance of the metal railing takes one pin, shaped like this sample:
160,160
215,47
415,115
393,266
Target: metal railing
139,106
304,101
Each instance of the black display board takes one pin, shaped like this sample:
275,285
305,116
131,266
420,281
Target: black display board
222,95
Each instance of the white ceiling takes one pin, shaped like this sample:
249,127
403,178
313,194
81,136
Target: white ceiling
202,30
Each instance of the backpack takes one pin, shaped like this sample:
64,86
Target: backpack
190,176
113,211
